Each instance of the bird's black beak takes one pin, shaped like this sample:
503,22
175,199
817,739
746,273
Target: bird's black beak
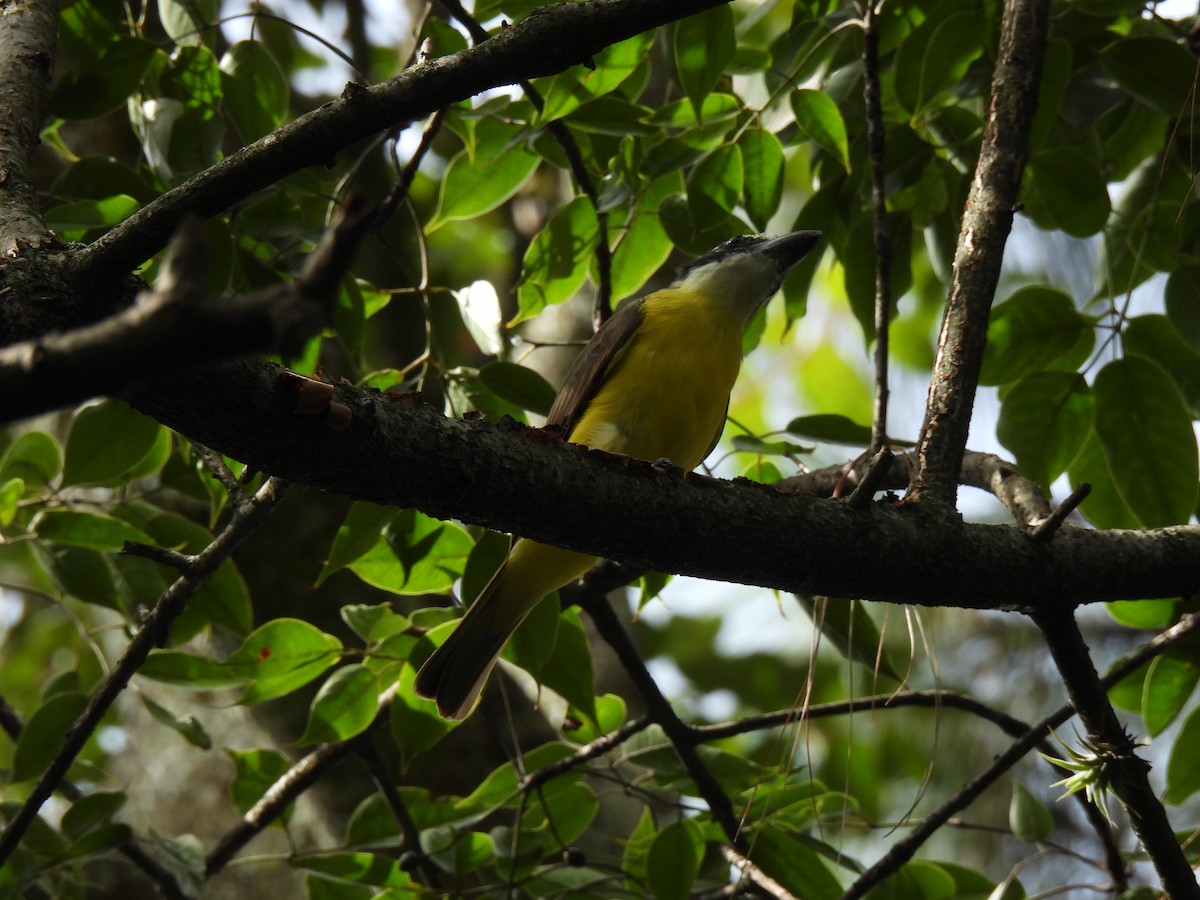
789,249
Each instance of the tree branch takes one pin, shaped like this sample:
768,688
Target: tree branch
1122,769
879,227
987,221
11,724
547,41
172,328
396,450
903,850
28,31
153,631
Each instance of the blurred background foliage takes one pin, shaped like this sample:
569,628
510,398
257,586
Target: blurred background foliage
474,290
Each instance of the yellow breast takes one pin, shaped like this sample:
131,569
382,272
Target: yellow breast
667,394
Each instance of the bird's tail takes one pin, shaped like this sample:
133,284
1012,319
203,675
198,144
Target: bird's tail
456,672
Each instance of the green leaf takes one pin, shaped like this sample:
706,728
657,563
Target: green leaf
830,428
33,457
502,786
762,175
1183,768
73,220
42,735
1170,681
415,723
475,183
456,852
1067,191
344,706
569,670
849,627
1158,72
255,771
106,441
643,245
794,864
1150,615
1044,420
578,85
95,531
703,46
280,656
415,555
821,121
557,259
188,670
714,186
1028,817
674,860
104,86
356,868
1183,306
91,811
479,306
565,808
255,89
1104,507
1029,331
188,727
1139,417
98,842
518,385
358,533
920,880
185,21
934,58
857,256
85,574
11,492
224,599
374,622
1155,338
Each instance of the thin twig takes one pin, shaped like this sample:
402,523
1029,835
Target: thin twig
879,226
659,709
1125,772
558,131
1045,529
246,518
10,722
902,851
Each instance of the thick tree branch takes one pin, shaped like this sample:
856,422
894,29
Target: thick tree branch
987,221
172,328
28,30
547,41
503,476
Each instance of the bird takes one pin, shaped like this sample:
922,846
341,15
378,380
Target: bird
652,383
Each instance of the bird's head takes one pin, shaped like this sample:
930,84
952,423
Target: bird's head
744,272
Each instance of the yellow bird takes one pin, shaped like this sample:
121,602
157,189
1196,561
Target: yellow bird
652,383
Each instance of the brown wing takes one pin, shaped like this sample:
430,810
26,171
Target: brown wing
590,366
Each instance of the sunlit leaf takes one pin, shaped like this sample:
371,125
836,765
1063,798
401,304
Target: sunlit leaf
821,122
704,45
280,656
344,706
